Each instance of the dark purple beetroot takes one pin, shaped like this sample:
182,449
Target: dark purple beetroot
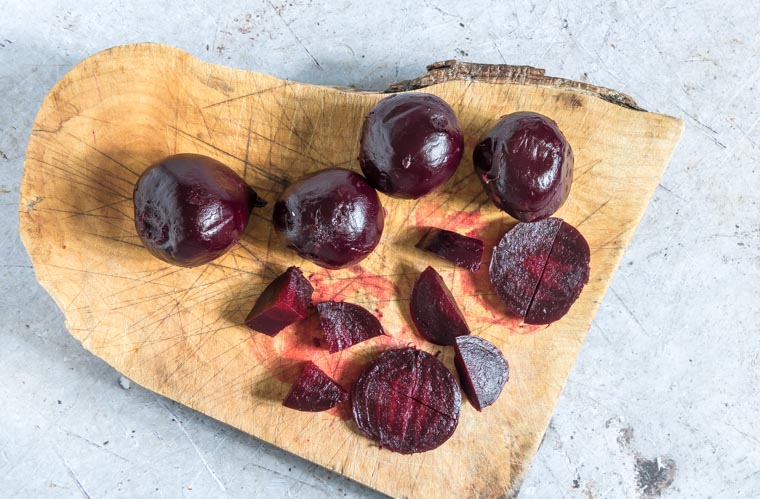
462,251
565,275
410,145
286,300
346,324
314,391
525,165
191,209
434,312
482,369
406,401
333,217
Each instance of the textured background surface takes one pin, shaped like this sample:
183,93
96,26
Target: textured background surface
663,396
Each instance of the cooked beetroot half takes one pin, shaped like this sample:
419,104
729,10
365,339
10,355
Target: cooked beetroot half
434,312
286,300
333,217
482,369
462,251
410,144
406,401
346,324
565,274
525,165
539,269
314,391
191,209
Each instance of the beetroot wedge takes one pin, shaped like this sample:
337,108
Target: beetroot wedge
482,369
435,314
314,391
462,251
406,401
286,300
346,324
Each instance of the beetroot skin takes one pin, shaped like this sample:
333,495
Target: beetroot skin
314,391
406,401
346,324
482,369
284,301
539,269
462,251
434,312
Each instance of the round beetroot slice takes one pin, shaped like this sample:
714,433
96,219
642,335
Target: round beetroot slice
346,324
565,274
434,312
482,369
407,401
314,391
518,262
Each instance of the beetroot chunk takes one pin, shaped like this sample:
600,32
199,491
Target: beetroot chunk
406,401
434,312
482,369
286,300
314,391
462,251
565,275
346,324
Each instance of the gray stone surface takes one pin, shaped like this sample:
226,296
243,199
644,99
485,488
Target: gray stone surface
664,395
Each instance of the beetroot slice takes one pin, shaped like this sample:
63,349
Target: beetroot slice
407,401
519,260
462,251
314,391
482,369
286,300
435,314
346,324
565,275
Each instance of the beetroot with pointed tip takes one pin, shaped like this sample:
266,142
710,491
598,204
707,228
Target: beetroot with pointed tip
434,312
332,217
462,251
346,324
314,391
284,301
407,401
482,369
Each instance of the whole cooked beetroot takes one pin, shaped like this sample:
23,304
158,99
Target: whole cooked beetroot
482,369
346,324
332,217
314,391
284,301
434,312
191,209
525,165
410,144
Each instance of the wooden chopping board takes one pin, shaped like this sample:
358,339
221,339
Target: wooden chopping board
179,331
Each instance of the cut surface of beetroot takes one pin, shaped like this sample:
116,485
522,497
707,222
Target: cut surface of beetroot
434,312
407,401
462,251
284,301
482,369
565,275
314,391
346,324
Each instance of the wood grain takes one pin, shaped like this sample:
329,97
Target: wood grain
179,331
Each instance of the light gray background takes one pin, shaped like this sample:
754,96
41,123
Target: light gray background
665,385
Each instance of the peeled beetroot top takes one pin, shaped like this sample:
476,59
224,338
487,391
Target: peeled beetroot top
346,324
462,251
314,391
284,301
482,369
407,401
435,314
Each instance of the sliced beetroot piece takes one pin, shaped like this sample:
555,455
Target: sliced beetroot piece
565,275
286,300
462,251
482,369
434,312
518,262
406,401
346,324
314,391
